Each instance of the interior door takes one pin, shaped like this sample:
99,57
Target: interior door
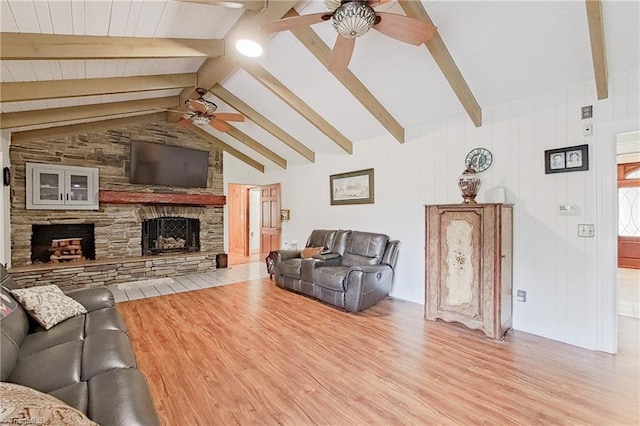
270,218
628,215
238,219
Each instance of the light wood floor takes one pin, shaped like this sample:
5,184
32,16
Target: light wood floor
252,353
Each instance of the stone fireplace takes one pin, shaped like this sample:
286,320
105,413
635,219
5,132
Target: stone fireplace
170,235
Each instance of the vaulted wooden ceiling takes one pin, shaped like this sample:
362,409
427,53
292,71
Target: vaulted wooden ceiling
65,63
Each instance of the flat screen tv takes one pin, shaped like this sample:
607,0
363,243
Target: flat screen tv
158,164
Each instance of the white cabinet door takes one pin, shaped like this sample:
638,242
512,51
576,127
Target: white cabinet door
61,187
47,186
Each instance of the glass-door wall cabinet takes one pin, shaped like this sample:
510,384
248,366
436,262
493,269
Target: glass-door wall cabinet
61,187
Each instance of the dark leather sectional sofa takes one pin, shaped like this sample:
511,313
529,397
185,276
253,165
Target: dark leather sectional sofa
353,272
86,361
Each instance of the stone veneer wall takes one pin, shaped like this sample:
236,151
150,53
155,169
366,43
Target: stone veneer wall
117,226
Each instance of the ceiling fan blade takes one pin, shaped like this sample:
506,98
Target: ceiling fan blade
294,22
184,122
403,28
341,53
219,125
229,116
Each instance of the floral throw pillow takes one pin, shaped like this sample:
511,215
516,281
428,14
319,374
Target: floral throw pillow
48,305
21,405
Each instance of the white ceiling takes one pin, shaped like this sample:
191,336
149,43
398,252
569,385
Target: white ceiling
506,50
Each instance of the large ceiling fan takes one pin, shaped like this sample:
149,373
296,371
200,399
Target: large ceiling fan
353,18
202,112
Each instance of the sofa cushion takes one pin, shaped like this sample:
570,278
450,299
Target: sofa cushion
67,331
331,277
13,317
75,395
290,267
321,238
50,369
24,405
9,354
364,248
126,389
104,351
47,304
104,319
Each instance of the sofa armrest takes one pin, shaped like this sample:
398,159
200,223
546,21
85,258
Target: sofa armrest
282,255
366,285
93,298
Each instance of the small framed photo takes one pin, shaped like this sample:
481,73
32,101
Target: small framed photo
352,188
569,159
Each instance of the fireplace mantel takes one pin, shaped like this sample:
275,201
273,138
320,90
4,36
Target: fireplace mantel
126,197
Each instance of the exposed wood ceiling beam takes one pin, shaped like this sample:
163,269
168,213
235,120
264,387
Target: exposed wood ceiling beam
233,4
256,146
28,90
322,52
231,150
253,115
27,46
53,115
287,96
215,71
598,52
81,128
445,62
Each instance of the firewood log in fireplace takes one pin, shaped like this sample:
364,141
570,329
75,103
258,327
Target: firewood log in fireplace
66,250
169,242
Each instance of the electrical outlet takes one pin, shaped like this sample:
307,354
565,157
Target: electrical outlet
587,112
521,296
586,230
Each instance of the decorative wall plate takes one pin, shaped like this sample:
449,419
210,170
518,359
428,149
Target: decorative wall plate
479,159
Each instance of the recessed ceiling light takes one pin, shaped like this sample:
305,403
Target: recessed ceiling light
249,48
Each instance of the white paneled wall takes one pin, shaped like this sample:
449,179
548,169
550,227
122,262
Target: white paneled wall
558,270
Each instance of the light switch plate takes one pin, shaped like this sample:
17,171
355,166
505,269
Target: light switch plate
586,230
587,129
566,209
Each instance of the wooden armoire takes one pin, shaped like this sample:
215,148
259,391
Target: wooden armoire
468,266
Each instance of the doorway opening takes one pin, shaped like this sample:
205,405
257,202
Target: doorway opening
628,176
254,221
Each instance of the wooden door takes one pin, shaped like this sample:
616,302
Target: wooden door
238,202
270,218
629,226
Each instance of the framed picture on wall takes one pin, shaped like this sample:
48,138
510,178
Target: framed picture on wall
352,188
568,159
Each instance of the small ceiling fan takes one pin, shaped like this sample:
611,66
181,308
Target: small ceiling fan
202,112
353,18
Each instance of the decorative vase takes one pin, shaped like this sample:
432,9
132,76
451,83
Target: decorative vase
469,183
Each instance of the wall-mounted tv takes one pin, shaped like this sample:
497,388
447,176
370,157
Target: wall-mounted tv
158,164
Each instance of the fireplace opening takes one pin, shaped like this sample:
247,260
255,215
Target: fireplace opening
62,243
169,235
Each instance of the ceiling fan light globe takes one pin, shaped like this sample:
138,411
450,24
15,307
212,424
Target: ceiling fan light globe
353,19
200,120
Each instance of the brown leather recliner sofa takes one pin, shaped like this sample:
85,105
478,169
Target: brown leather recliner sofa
353,271
85,361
